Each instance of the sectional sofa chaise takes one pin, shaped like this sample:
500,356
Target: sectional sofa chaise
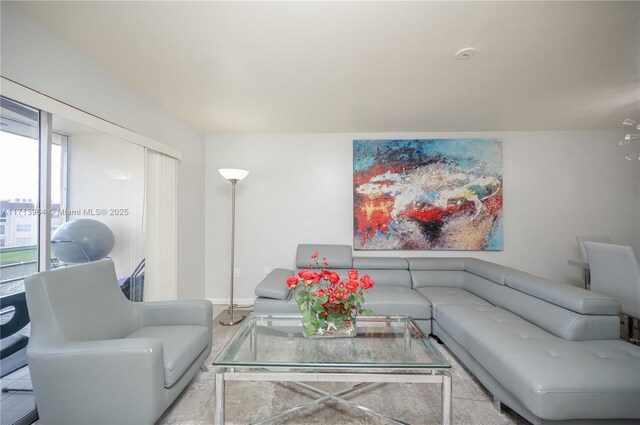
548,350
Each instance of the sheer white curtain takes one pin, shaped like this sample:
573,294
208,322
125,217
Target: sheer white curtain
161,227
106,183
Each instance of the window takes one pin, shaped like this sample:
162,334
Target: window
105,182
2,231
19,191
94,174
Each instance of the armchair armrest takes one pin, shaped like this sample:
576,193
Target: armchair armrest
72,376
174,313
274,285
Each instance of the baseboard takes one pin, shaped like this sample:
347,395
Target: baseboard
239,301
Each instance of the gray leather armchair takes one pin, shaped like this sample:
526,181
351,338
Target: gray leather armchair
97,358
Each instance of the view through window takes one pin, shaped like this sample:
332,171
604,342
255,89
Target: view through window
19,173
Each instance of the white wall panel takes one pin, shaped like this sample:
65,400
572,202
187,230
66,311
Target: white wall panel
557,185
33,56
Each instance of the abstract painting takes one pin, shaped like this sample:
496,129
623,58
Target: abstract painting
431,194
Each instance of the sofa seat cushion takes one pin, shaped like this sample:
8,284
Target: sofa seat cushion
469,323
440,296
383,300
553,378
181,346
397,300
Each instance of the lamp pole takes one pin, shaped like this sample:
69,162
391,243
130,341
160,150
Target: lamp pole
231,321
234,176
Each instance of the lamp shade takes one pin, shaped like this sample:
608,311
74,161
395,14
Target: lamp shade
233,173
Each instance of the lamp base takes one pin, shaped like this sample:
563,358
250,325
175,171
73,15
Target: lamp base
228,320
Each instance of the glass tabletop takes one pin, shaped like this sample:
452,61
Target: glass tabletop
389,342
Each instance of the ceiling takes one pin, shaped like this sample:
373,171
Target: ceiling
282,67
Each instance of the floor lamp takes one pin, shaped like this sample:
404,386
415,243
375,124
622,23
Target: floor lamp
234,175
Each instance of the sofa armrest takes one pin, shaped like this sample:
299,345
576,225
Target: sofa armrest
72,379
175,313
274,286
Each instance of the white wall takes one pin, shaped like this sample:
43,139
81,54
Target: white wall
557,185
33,56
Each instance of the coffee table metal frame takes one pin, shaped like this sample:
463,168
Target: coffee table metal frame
362,376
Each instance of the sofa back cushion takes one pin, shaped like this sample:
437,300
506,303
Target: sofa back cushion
431,263
484,288
491,271
382,263
380,277
338,256
570,297
386,277
440,278
557,320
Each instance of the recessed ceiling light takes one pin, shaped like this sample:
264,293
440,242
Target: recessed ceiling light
466,53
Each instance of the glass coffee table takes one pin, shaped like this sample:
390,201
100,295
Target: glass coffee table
389,349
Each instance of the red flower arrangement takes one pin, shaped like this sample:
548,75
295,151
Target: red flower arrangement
329,305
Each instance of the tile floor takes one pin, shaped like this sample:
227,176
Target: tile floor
416,404
15,406
472,403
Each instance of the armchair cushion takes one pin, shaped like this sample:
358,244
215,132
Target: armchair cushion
173,313
181,346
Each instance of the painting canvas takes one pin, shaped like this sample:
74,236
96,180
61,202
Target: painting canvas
432,194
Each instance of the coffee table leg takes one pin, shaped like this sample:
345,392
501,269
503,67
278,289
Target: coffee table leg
446,398
219,409
407,342
254,343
